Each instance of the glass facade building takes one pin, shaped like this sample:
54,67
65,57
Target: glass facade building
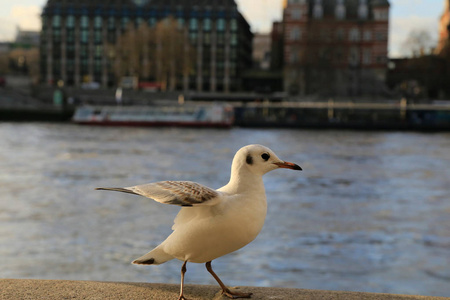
76,34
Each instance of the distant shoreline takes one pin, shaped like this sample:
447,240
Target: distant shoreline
352,116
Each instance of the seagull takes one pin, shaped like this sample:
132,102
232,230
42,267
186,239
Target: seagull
213,223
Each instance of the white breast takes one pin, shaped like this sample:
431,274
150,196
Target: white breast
214,231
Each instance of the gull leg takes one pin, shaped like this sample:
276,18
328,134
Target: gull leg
183,270
226,291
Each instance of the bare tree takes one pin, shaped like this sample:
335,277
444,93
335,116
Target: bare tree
418,42
24,61
32,57
159,53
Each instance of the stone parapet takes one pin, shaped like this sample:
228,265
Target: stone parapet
12,289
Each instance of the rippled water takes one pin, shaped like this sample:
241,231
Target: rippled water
370,211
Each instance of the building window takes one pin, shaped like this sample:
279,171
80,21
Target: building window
340,34
84,22
220,38
367,35
97,65
84,64
293,58
70,65
381,59
70,21
70,49
84,36
70,36
219,68
140,2
56,67
220,54
363,9
220,24
380,36
193,36
381,15
98,22
83,51
125,21
367,57
296,14
111,23
353,58
295,34
232,69
318,9
179,11
152,21
166,12
207,39
98,37
193,24
339,10
98,51
233,25
233,39
233,54
56,35
354,35
56,22
207,24
206,69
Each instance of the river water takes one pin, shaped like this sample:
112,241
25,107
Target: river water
370,212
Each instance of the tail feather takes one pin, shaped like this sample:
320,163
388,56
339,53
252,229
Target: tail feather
155,257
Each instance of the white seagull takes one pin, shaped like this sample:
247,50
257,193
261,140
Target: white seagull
211,222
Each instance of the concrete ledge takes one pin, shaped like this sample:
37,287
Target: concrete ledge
11,289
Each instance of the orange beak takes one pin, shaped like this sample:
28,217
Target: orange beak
288,165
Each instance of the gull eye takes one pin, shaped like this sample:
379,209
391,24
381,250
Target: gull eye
265,156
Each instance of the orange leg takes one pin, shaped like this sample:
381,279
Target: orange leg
226,291
183,271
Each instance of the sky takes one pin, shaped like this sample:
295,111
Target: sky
405,15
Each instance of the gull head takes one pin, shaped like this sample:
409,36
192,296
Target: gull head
259,160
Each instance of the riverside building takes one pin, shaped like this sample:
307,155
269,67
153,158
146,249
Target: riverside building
335,47
76,36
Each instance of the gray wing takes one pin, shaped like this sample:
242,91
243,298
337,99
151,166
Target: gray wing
183,193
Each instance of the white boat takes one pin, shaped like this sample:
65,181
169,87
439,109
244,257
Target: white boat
186,115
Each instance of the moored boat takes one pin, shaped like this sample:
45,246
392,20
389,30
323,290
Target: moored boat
186,115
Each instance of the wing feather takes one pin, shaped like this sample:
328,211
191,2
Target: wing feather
183,193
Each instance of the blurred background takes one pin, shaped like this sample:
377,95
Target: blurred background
354,91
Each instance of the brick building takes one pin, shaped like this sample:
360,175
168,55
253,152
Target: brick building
444,27
76,34
277,36
335,47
